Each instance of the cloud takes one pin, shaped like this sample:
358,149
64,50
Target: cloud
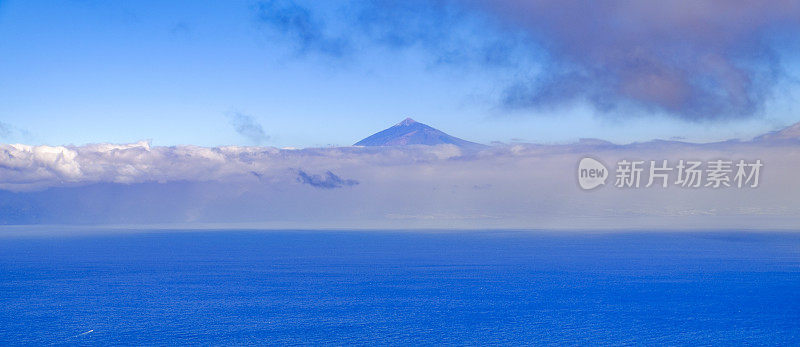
693,60
181,29
327,181
27,167
5,130
452,33
306,30
249,128
510,186
697,60
446,30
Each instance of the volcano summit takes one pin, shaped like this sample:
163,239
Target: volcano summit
411,132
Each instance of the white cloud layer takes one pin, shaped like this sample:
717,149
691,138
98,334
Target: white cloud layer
514,186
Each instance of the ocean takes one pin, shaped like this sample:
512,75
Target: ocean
228,287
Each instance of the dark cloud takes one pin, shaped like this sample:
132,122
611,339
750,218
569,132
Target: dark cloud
697,60
327,181
248,127
694,60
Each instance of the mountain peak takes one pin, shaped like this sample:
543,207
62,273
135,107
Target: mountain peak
411,132
406,122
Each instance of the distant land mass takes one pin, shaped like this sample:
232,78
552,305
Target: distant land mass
411,132
790,133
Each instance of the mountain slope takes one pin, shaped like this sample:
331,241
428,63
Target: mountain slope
789,133
411,132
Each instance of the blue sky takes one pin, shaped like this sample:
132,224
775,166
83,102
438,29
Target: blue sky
179,72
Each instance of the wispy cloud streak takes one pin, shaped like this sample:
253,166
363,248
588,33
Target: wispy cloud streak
327,181
5,130
249,128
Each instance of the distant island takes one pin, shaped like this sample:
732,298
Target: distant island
411,132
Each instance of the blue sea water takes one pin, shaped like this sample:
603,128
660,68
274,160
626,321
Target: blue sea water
335,287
